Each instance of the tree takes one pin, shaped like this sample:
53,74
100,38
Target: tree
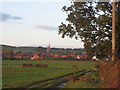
8,55
92,22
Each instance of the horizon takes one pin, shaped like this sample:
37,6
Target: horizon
44,46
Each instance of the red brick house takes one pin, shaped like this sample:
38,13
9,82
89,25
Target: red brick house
35,56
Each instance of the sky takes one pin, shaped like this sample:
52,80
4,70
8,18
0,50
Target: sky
34,24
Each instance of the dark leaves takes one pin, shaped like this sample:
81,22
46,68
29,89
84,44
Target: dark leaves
92,23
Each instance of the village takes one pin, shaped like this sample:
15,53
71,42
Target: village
44,53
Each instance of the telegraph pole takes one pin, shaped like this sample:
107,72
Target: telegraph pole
118,30
113,31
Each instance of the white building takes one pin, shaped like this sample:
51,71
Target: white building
95,58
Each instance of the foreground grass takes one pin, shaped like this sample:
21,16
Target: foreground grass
86,84
81,85
14,75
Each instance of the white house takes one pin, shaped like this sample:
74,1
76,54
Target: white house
95,58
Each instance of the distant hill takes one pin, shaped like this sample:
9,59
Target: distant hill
34,49
14,48
7,48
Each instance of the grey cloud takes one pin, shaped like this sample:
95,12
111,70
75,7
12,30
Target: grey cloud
16,17
4,17
45,27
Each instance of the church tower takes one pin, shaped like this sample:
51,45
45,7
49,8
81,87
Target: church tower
48,49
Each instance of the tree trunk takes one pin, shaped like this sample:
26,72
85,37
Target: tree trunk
119,31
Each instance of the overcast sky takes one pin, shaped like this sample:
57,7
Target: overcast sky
34,24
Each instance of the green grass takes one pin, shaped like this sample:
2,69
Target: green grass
14,75
86,84
81,85
94,74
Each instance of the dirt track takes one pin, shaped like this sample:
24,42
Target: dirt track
56,84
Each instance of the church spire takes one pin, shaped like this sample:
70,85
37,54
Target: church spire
48,48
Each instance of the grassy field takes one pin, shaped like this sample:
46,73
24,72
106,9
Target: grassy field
86,84
15,75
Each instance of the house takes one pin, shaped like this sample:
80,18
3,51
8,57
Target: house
78,57
94,58
64,56
51,54
35,56
17,56
56,56
72,55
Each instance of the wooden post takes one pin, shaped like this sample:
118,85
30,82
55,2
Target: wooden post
113,31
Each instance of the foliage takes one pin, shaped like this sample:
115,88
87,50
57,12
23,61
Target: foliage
92,22
118,30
